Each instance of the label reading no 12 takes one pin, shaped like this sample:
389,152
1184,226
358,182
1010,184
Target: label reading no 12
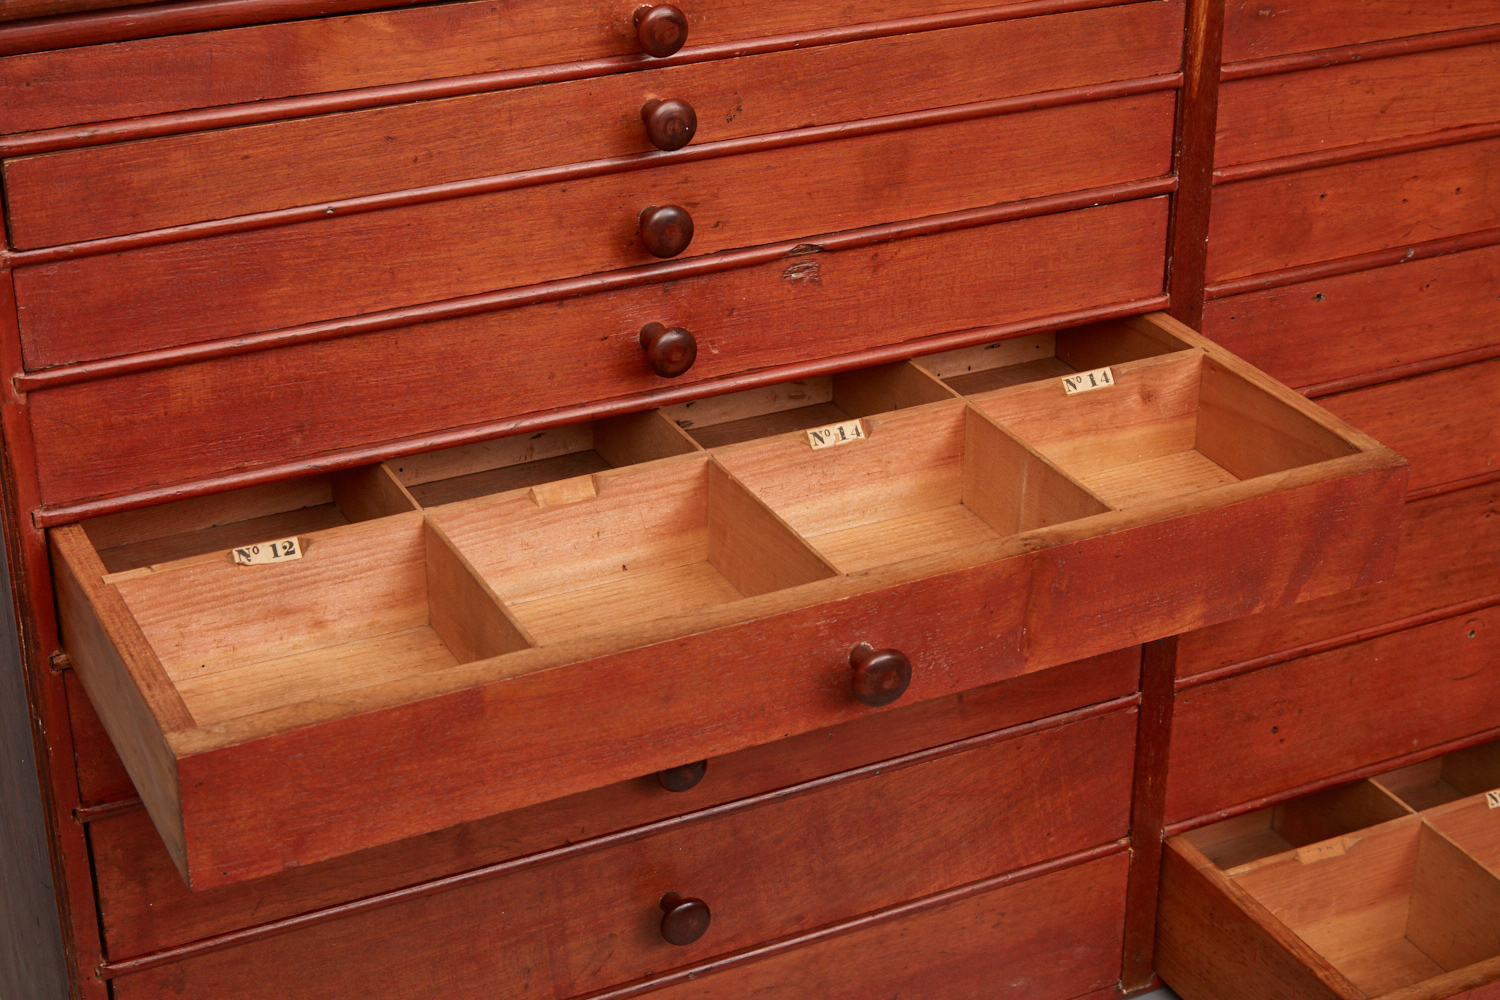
1099,378
265,553
827,437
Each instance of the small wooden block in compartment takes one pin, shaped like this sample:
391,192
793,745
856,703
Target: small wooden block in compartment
1299,823
920,482
1173,423
1453,776
193,527
812,402
596,554
1396,910
525,460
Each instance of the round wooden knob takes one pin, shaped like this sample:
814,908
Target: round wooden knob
668,352
880,675
666,230
680,779
662,29
683,920
669,124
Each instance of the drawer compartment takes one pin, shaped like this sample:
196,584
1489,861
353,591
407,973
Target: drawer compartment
630,620
268,279
782,865
152,184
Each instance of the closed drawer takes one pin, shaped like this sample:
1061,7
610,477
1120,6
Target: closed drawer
1384,888
1253,30
793,305
540,642
767,868
268,279
103,191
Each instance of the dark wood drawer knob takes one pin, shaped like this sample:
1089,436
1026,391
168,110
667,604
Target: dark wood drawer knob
683,920
668,352
880,675
680,779
662,29
666,230
669,124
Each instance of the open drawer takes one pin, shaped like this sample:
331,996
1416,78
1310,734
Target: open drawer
430,667
1384,888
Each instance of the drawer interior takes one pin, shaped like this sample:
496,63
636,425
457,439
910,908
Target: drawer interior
524,460
192,527
1453,776
805,403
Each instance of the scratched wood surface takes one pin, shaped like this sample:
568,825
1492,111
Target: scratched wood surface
1254,29
108,190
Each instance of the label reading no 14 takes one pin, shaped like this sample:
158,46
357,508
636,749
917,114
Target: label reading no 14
1099,378
827,437
265,553
1493,798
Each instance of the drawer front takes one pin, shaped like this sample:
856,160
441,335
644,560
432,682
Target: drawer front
1253,30
786,866
1259,734
1368,320
422,379
1283,221
145,906
274,278
1272,116
104,191
151,76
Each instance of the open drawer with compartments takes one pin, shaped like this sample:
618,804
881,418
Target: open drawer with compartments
514,621
1388,887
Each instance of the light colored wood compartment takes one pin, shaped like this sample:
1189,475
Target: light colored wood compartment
806,403
220,521
1038,357
1298,823
1402,905
524,460
595,554
1170,426
921,481
1453,776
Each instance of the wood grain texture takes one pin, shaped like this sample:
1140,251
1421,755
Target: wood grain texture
1338,211
586,922
405,380
1197,117
1153,744
147,908
1447,554
1351,324
102,191
1443,423
1290,113
267,279
1247,736
1255,30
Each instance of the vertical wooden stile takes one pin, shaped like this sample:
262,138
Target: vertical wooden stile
1193,160
1153,745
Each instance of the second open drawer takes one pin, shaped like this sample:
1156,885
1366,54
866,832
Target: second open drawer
420,669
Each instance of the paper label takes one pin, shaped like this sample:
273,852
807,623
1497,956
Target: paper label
1493,798
1099,378
835,434
1317,852
264,553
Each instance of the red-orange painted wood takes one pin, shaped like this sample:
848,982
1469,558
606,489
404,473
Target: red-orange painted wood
1197,114
1291,113
1254,29
103,191
1256,734
1338,211
1447,556
946,952
1444,423
1350,324
146,908
484,367
101,776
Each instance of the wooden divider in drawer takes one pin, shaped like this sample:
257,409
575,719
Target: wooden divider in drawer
186,422
588,630
61,197
559,929
1253,30
267,279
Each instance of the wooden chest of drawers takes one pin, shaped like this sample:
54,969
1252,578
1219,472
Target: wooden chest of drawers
532,343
